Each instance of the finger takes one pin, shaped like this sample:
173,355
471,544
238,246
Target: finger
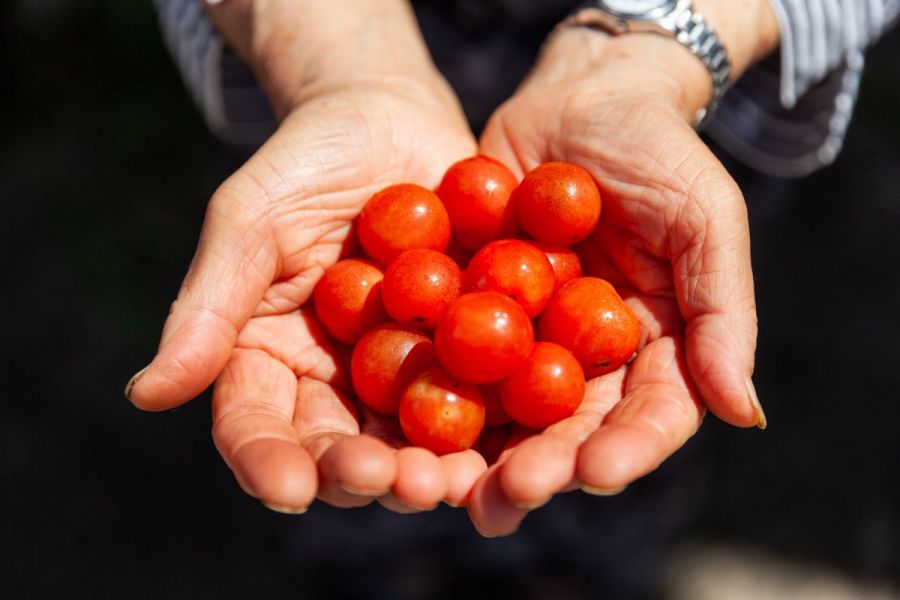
496,143
235,262
491,512
463,470
353,469
421,479
710,252
253,404
658,414
544,465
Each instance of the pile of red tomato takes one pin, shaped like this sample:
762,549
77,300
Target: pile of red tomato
454,346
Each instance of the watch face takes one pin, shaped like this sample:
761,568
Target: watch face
638,9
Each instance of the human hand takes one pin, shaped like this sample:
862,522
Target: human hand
371,111
674,240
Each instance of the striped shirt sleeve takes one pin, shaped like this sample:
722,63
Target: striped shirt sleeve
787,116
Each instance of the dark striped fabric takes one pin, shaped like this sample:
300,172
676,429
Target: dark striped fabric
787,116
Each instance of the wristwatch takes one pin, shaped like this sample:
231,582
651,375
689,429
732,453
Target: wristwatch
676,19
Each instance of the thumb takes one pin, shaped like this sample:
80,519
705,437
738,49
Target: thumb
495,142
709,247
235,262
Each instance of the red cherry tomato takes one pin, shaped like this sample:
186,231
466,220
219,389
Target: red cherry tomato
402,217
516,269
565,262
440,413
494,413
558,203
476,192
483,337
546,389
419,285
589,318
348,299
385,361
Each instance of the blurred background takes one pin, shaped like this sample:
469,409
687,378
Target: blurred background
105,169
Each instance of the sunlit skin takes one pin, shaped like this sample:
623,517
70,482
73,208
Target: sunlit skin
385,360
674,241
516,269
483,337
564,260
348,299
281,412
419,285
546,389
402,217
374,112
558,203
476,192
587,317
440,413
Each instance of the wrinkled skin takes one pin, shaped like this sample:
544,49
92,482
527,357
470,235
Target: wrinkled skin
280,408
673,239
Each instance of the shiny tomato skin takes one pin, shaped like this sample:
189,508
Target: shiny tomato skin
546,389
348,299
558,203
514,268
588,317
494,413
483,337
564,260
385,360
402,217
476,192
419,285
441,413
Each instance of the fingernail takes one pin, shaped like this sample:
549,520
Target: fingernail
287,510
530,505
596,491
754,401
491,536
130,385
359,491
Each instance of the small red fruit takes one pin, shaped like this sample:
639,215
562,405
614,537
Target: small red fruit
385,361
441,414
516,269
476,192
558,203
565,262
419,285
348,299
483,337
546,389
402,217
494,413
589,318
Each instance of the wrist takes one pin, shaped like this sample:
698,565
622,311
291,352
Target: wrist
658,68
298,48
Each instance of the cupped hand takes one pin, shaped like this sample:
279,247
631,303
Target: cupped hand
281,412
674,240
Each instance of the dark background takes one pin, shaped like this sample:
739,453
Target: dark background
105,168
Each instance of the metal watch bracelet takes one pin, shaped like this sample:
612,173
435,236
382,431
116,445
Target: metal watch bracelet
687,27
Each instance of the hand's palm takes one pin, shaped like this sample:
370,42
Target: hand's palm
673,240
270,232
